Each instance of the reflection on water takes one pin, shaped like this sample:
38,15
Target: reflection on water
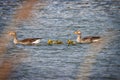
7,62
58,20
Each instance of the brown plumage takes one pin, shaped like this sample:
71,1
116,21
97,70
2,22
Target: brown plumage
88,39
30,39
27,41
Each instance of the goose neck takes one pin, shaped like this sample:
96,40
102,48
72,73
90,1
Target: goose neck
78,38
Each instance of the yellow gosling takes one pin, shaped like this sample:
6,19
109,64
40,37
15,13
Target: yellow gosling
57,42
70,42
50,42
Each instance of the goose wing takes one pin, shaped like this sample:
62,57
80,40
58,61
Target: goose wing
91,38
95,37
30,39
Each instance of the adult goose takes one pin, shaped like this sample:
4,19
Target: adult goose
27,41
88,39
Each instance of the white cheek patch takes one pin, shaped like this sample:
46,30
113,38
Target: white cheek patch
36,42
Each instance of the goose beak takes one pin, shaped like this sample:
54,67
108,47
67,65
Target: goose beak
75,32
8,33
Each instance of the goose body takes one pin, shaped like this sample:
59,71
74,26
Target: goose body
27,41
88,39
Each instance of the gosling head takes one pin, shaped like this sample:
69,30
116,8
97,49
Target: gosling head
77,32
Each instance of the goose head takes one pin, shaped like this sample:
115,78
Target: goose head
77,32
12,33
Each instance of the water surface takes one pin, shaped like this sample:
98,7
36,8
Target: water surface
58,20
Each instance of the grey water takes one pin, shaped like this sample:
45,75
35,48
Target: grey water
57,21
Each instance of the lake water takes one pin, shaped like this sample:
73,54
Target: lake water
57,21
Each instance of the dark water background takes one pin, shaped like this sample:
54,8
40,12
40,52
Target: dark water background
58,20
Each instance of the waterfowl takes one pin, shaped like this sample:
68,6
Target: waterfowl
89,39
57,42
50,42
70,42
27,41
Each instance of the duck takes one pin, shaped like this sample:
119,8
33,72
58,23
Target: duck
70,42
88,39
27,41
